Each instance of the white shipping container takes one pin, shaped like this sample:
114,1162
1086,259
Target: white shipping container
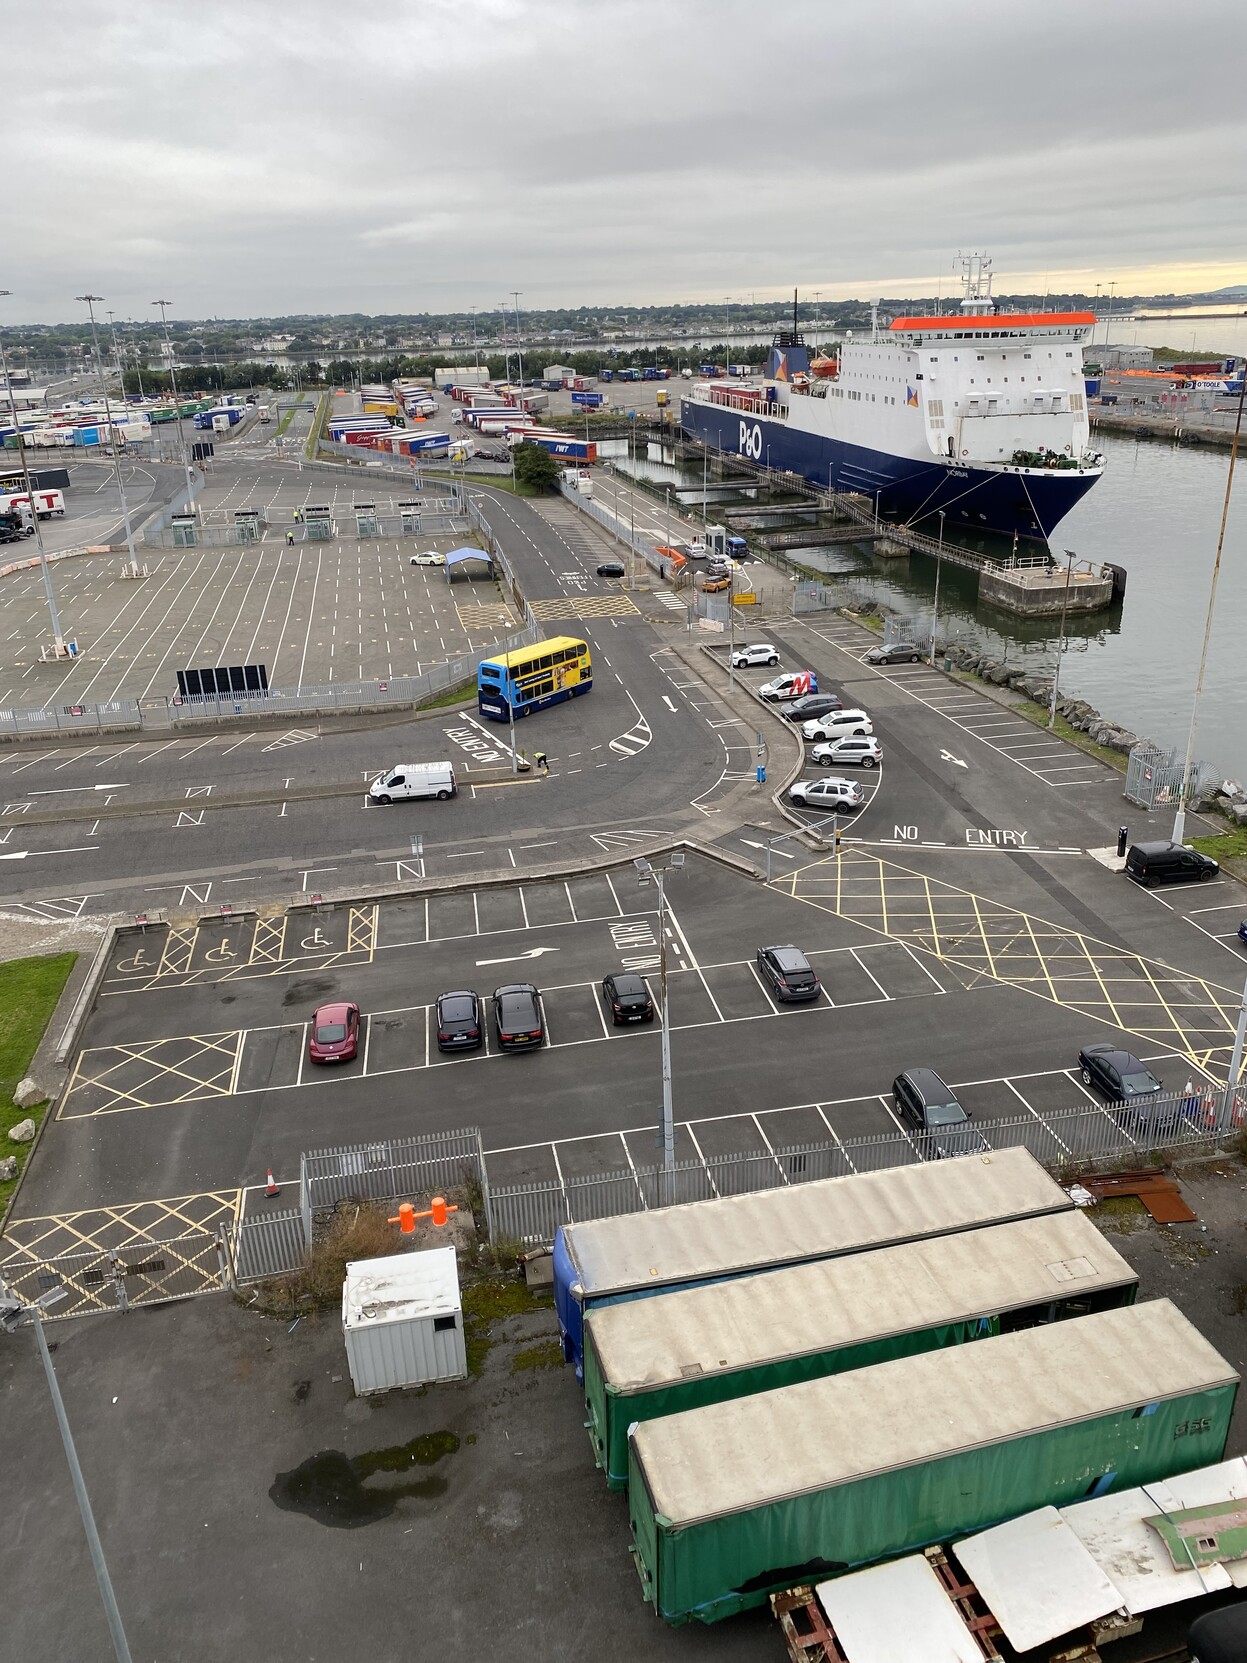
402,1320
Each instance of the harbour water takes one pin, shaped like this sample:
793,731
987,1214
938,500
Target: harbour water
1156,511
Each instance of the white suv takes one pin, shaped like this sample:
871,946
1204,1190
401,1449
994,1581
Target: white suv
837,724
862,749
835,795
760,652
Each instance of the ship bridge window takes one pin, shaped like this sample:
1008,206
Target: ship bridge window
980,357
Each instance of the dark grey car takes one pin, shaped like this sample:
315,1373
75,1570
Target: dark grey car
810,705
517,1017
788,974
898,652
627,997
459,1021
923,1101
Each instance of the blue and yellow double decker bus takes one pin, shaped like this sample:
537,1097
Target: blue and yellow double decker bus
525,680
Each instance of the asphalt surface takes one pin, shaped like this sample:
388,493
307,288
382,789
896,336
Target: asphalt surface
963,926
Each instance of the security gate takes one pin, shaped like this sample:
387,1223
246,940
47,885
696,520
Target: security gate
366,519
1154,777
144,1273
318,524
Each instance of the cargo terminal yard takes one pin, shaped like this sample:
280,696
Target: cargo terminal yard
226,876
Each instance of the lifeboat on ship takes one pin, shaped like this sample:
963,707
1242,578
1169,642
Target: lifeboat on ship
826,368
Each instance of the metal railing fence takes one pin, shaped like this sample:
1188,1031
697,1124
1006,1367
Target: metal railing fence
315,699
1066,1140
392,1170
269,1244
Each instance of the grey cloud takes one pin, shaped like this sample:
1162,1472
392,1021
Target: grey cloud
302,155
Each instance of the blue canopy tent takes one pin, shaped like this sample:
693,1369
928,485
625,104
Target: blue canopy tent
462,558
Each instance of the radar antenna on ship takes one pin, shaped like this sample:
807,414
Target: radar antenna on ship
976,282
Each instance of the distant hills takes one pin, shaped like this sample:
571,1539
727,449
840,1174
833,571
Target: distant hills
1236,291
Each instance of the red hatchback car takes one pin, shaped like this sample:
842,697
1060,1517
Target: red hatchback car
334,1033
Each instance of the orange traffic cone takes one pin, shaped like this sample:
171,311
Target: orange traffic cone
272,1187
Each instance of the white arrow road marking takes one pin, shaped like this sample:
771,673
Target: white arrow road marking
669,705
956,760
532,953
58,790
21,854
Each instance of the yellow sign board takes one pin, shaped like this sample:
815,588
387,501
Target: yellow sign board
748,598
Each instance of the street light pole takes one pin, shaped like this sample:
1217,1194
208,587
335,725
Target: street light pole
939,558
1240,1034
173,387
15,1314
1179,822
90,300
45,570
1060,647
647,873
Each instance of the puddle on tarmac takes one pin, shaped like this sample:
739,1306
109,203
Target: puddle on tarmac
331,1487
306,990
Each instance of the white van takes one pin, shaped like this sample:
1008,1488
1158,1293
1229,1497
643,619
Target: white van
414,779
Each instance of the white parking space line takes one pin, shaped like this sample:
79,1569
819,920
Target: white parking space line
597,1005
770,1147
835,1136
883,992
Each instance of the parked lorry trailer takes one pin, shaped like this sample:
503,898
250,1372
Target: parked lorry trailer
654,1357
738,1500
605,1261
49,504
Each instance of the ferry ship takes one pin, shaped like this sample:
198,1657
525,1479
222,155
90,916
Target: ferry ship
976,420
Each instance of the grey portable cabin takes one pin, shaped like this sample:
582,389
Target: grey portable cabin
734,1501
652,1357
606,1260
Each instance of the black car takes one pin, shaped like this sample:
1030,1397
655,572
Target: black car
810,705
899,652
612,568
1118,1074
1219,1636
922,1099
787,973
627,997
1166,862
459,1021
517,1017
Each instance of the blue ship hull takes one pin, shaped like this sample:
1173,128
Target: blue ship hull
909,490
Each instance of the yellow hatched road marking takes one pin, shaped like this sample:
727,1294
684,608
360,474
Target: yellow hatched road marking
987,938
109,1229
98,1067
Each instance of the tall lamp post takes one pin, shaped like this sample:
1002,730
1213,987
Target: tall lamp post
173,388
1060,646
1179,820
939,558
13,1315
648,873
89,300
45,570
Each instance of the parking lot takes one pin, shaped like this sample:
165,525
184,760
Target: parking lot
193,1075
314,613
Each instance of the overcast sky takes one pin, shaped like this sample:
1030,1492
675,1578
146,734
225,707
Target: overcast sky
251,157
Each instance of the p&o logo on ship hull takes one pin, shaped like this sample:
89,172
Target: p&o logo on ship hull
751,440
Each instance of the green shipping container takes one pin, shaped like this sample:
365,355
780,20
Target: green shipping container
655,1357
734,1501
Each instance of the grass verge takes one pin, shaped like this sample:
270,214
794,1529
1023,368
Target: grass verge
452,696
29,990
1223,846
286,420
